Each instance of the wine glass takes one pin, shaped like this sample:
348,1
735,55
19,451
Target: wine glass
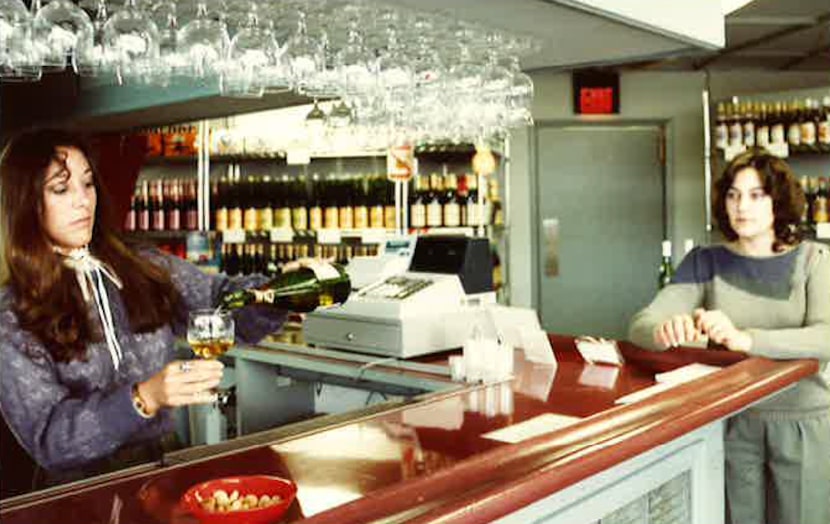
60,28
210,334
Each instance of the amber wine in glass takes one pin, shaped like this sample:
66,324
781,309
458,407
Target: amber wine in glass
210,333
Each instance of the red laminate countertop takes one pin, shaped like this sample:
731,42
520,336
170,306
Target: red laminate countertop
429,461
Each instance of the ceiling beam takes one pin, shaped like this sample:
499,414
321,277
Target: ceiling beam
816,51
763,39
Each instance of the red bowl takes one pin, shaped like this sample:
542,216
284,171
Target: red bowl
248,485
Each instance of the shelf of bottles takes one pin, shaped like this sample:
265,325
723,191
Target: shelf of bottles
786,128
815,222
263,212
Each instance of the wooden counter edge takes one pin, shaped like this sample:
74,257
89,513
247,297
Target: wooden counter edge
510,477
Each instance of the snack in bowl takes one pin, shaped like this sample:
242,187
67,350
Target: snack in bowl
255,499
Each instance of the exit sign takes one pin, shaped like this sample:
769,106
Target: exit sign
596,92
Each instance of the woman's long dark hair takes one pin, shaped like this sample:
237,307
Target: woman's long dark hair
48,302
778,181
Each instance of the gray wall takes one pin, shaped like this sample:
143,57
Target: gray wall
673,98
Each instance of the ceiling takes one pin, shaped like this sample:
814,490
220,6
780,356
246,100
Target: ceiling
775,35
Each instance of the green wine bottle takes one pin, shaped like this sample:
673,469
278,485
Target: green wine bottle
666,267
319,284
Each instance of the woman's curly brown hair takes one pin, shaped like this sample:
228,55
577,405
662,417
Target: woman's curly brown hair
778,181
48,302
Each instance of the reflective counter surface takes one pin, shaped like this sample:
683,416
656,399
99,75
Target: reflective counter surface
419,454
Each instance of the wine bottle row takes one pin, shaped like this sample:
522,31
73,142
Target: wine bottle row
244,259
804,125
817,210
454,201
163,205
262,203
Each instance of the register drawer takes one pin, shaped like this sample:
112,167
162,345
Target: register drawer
368,337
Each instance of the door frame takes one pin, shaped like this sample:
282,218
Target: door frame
663,126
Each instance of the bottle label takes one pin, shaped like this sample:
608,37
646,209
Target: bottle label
235,218
315,218
777,134
434,214
749,133
762,136
419,215
250,219
794,135
174,220
282,218
452,215
808,133
721,136
736,133
474,214
221,219
361,217
130,223
264,296
300,218
376,217
346,218
266,219
331,218
322,270
389,217
824,132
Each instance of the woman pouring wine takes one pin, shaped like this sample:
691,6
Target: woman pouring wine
88,323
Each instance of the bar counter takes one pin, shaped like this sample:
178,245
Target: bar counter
429,461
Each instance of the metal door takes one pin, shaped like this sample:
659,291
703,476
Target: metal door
600,214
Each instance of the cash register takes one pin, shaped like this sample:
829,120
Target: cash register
431,307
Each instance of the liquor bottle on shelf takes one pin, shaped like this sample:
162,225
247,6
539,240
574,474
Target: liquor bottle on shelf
435,209
474,208
666,268
449,201
331,211
823,127
748,121
190,206
389,211
361,204
345,204
172,203
157,218
220,220
496,207
131,221
721,127
463,196
793,120
318,285
762,133
418,207
249,203
377,195
736,128
820,204
315,207
809,122
144,208
235,198
282,204
777,125
299,210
